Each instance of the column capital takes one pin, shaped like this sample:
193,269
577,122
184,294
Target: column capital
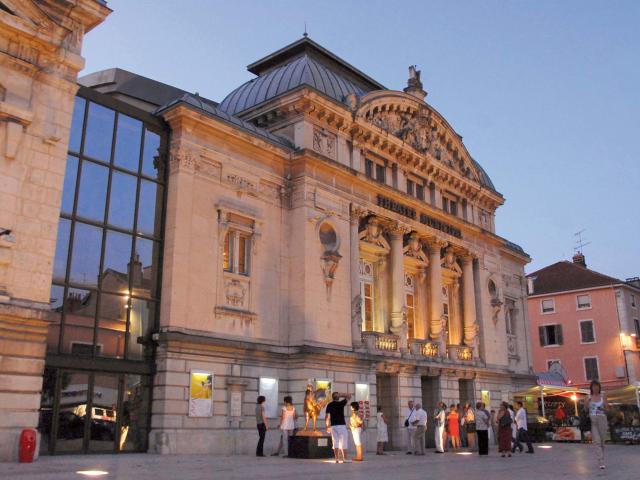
467,257
356,212
397,229
435,243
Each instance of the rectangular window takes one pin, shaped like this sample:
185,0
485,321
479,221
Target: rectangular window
409,302
633,301
584,302
380,173
368,168
587,332
636,324
367,306
410,187
548,306
453,207
591,368
420,192
445,204
235,257
550,335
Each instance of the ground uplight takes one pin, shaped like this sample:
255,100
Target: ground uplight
92,473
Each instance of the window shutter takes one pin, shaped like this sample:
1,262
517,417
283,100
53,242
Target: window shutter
542,336
559,334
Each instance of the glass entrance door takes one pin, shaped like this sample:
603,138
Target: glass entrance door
93,412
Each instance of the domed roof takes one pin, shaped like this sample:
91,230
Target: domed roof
302,71
303,62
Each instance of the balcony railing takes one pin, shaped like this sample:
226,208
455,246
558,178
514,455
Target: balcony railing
382,342
460,353
424,348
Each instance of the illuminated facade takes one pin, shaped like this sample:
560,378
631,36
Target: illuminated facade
313,226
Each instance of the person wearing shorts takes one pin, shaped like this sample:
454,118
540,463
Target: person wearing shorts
337,426
355,424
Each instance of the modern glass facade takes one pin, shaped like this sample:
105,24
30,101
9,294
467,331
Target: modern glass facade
105,287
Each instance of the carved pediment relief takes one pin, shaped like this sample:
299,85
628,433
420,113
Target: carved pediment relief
414,249
415,129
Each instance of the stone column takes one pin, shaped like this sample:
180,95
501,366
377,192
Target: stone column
397,278
455,320
470,326
435,289
356,297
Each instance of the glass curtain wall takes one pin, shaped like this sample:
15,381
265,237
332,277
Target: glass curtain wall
105,288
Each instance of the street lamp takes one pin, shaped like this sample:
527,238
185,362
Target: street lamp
574,397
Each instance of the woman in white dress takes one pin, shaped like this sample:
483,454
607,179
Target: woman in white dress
288,417
597,406
383,433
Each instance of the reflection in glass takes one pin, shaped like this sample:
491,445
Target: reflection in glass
146,264
150,155
140,314
99,132
74,390
56,298
62,250
75,136
85,258
122,201
150,203
93,191
112,324
69,188
117,257
135,414
104,413
79,317
128,136
45,421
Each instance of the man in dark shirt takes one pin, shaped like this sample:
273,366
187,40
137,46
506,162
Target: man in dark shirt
336,425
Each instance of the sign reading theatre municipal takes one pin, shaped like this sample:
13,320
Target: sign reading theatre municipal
425,219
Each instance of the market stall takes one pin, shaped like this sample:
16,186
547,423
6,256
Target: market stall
624,414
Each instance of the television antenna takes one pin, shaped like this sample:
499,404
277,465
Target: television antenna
580,243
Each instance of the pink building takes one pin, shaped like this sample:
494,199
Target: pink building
586,321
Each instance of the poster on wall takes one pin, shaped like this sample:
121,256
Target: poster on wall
362,397
201,394
486,398
269,389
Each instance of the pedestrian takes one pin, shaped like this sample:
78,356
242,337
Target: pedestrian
514,429
597,406
483,424
336,425
462,415
523,432
454,427
355,424
494,427
440,436
408,423
383,432
504,430
261,423
288,417
420,423
470,426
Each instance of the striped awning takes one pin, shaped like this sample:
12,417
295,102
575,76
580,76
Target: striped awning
550,379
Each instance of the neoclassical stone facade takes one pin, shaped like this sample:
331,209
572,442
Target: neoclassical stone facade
40,46
321,226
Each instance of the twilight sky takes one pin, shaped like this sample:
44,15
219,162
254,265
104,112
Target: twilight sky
545,93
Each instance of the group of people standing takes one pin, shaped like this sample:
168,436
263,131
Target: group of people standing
463,427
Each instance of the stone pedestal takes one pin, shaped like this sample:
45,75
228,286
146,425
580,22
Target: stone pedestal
308,446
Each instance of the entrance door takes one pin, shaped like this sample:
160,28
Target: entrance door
430,399
387,398
93,412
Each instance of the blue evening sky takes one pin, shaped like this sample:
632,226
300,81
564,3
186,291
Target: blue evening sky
545,93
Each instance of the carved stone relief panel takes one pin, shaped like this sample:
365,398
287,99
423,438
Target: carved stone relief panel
324,142
236,293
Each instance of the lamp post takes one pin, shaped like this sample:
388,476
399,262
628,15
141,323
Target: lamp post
574,397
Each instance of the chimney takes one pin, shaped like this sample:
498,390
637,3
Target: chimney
135,271
530,281
579,259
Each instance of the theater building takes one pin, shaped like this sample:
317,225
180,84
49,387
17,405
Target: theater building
312,227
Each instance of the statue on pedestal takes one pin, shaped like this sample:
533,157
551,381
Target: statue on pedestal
314,402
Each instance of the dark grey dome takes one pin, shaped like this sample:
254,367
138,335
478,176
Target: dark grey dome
303,70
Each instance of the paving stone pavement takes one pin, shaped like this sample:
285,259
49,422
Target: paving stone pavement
559,462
